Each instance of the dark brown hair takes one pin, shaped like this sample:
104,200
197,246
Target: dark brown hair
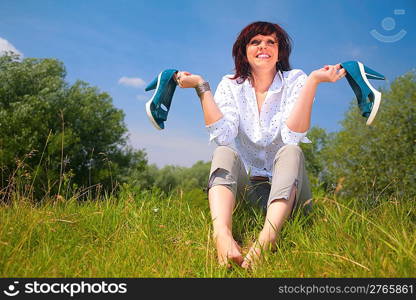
242,67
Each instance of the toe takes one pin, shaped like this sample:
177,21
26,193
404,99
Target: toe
238,259
245,265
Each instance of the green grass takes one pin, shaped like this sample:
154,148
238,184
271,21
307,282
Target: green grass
151,235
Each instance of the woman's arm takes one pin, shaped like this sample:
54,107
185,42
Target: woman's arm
220,111
300,117
211,111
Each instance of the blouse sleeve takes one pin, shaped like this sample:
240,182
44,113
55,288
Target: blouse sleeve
225,129
294,86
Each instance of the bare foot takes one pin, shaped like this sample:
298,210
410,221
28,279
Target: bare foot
227,249
253,256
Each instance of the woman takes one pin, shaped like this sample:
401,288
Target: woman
257,117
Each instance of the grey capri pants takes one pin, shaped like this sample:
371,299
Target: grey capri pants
288,172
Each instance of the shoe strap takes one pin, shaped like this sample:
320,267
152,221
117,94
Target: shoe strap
161,114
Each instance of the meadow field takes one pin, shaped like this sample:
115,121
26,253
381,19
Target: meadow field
152,234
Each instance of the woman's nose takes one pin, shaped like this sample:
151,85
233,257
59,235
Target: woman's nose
262,45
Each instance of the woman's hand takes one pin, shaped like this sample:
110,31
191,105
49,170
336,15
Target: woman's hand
187,80
211,111
331,73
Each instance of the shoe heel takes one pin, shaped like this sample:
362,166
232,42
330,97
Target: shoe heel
371,74
152,85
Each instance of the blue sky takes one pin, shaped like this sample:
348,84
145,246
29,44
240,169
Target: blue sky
102,42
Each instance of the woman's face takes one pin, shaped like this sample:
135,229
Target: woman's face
263,52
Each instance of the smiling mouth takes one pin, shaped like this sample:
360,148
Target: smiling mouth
263,56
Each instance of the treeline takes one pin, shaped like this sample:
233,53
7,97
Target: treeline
171,177
57,139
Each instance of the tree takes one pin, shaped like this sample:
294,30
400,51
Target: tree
380,159
314,160
195,176
171,177
56,131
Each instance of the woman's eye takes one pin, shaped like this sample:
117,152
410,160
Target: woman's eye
257,42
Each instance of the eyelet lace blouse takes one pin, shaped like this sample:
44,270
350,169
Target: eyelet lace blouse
257,137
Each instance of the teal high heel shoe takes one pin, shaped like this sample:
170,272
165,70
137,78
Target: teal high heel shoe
357,76
157,108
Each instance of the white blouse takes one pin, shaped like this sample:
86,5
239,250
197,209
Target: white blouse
257,137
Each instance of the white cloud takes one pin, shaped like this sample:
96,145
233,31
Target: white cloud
6,46
131,81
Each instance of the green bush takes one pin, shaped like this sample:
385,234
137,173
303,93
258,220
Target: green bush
54,135
314,159
172,177
370,161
